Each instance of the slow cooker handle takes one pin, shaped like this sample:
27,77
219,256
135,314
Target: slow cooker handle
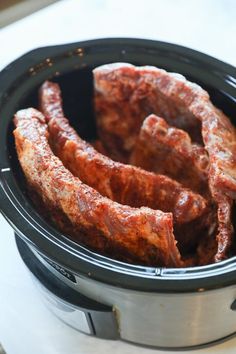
85,314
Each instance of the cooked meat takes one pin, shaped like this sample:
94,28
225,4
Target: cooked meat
219,136
216,244
225,227
145,175
164,149
50,100
122,183
98,145
220,140
140,235
206,251
125,94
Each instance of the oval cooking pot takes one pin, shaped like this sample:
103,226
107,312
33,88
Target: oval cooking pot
71,66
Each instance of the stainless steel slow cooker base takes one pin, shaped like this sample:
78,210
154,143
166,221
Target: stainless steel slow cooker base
88,309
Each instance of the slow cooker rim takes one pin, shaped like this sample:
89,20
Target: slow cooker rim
93,265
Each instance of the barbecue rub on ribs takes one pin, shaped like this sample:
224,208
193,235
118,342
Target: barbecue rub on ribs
133,234
161,148
126,94
122,183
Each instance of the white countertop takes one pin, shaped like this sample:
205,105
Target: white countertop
26,326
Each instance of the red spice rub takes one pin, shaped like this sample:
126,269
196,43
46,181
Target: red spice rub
126,94
122,183
140,235
164,149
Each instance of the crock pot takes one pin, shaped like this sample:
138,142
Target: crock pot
160,307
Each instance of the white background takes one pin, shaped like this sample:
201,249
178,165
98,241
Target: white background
26,327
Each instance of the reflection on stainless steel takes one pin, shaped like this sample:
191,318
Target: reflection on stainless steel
2,351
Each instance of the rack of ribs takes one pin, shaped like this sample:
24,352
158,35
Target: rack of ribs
126,95
161,174
140,235
123,183
164,149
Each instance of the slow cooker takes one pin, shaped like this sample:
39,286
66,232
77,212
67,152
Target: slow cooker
159,307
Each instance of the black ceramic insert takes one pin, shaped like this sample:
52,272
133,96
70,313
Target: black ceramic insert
71,66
